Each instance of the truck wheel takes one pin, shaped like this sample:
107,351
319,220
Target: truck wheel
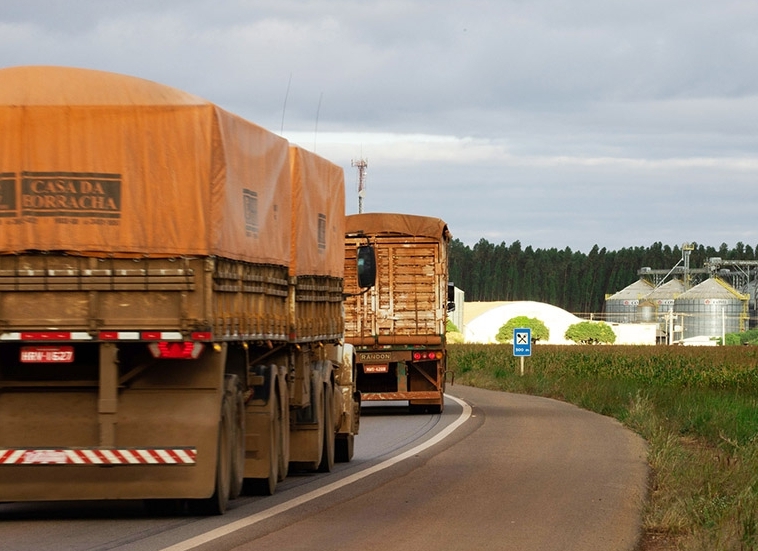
343,448
283,428
439,408
327,455
416,409
217,503
267,486
163,507
316,415
238,451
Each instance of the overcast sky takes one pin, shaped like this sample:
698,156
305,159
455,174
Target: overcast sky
557,123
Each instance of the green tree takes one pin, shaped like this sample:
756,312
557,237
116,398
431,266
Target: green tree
588,332
571,280
452,333
539,329
749,337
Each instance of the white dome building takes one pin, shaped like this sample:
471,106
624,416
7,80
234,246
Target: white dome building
482,321
484,327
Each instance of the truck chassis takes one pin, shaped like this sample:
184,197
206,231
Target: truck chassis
175,379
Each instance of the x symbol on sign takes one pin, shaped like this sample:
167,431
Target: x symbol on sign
521,338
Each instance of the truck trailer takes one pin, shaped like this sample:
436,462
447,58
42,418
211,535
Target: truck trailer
398,326
171,297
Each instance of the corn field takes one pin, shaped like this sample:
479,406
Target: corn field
697,407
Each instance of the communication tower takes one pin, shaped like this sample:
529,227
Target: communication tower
362,165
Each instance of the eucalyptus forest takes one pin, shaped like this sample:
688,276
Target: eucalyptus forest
575,281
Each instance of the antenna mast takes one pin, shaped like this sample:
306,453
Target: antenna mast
362,166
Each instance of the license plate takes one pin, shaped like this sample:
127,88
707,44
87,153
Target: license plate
376,368
47,354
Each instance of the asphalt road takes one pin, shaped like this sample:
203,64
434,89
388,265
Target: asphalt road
523,474
511,472
388,434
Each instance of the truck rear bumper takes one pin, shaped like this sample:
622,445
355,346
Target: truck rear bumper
432,396
56,482
182,456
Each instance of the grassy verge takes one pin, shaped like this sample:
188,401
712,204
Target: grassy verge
696,406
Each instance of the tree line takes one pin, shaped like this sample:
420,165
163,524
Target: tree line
572,280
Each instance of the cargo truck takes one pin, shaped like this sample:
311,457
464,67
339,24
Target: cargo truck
398,325
171,297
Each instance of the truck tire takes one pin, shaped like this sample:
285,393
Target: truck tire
315,414
416,409
267,486
238,451
436,408
343,448
327,454
217,503
164,507
282,425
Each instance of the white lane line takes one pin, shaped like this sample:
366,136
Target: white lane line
310,496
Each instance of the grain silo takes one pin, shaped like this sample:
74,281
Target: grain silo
751,290
711,308
662,297
621,307
659,301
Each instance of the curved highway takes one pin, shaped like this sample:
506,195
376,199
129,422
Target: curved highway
494,471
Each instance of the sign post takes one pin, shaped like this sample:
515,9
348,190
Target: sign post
522,344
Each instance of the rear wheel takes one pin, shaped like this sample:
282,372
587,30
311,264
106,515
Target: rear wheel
425,408
316,414
343,448
438,408
282,425
164,507
267,486
327,455
238,451
217,503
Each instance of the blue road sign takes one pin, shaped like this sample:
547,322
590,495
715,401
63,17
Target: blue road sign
522,341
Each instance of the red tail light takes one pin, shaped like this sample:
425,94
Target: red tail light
182,350
426,355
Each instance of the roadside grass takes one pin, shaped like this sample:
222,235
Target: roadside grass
697,407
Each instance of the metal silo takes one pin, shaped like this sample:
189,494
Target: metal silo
645,312
711,308
662,297
751,290
621,307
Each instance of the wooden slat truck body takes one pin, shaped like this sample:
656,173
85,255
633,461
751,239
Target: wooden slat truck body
398,326
171,286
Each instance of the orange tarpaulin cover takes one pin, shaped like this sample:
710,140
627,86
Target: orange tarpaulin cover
378,223
318,202
104,164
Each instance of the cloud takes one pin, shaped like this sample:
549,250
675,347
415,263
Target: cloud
550,122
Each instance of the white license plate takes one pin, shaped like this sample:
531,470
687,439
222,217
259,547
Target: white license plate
47,354
376,368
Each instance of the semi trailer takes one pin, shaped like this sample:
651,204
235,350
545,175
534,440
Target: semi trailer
398,325
171,297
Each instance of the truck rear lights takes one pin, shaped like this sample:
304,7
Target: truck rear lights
185,350
426,355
